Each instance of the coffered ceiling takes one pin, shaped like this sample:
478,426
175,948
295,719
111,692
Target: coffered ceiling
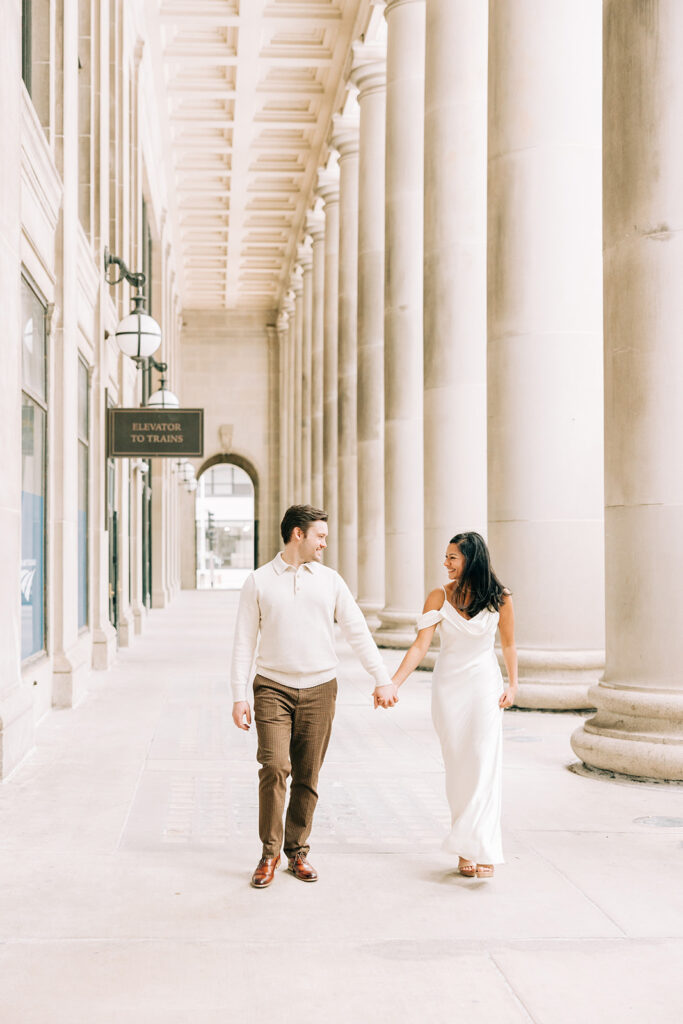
250,87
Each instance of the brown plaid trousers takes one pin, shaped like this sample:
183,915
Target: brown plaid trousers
293,728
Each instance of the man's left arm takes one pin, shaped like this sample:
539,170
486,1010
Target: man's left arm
355,629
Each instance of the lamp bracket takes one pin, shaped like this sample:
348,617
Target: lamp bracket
136,280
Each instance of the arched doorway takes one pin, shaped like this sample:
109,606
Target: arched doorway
225,520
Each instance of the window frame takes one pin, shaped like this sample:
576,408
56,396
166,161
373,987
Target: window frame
83,443
42,403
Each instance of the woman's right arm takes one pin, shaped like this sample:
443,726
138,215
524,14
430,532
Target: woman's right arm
417,651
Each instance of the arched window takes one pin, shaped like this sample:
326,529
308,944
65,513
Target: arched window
224,527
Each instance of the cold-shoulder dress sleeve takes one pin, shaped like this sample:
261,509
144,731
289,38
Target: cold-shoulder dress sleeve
427,619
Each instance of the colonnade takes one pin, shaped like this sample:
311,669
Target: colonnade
456,326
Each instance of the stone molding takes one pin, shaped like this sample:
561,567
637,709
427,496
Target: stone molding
41,188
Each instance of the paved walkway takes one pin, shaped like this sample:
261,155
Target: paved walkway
128,837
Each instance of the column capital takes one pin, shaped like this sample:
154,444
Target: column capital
327,186
315,225
393,4
345,135
304,256
369,68
296,281
282,322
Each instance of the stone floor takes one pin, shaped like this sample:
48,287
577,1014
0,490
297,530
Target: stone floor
128,837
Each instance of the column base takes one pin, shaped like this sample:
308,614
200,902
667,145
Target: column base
126,627
103,646
70,674
635,732
557,680
159,598
139,612
396,629
16,728
371,610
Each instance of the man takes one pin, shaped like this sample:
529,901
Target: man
292,603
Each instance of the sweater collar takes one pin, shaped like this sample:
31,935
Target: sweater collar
281,566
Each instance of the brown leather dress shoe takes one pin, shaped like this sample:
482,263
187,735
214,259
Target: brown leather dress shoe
265,872
300,868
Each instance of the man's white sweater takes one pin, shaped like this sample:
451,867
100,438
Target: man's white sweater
286,618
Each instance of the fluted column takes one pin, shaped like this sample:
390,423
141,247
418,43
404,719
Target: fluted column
345,141
369,73
403,364
315,226
305,258
454,275
545,340
297,397
328,190
638,729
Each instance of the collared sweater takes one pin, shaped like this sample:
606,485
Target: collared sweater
286,618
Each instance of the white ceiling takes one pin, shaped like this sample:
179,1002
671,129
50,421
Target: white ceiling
251,86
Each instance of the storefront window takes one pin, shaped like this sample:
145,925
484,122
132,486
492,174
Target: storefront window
83,439
33,464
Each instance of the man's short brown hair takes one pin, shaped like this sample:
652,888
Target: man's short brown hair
301,516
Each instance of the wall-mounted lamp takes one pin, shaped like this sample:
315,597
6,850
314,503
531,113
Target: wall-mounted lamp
163,398
138,335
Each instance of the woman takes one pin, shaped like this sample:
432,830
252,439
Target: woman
468,696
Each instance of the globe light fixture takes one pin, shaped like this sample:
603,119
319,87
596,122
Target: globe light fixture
138,335
163,398
186,472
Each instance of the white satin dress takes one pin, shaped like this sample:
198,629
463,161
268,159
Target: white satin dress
466,686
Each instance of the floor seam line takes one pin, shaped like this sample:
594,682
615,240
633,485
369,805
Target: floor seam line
573,884
511,988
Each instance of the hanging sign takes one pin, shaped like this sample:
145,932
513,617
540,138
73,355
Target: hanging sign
149,433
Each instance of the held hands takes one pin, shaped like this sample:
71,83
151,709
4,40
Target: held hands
507,699
385,696
241,714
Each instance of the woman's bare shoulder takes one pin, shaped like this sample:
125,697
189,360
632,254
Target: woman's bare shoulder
435,600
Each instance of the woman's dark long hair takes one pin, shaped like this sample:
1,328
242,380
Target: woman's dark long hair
478,586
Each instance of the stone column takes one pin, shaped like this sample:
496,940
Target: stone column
70,653
345,141
545,340
454,276
290,307
403,366
328,190
305,258
297,388
283,335
315,226
369,74
638,729
103,632
16,701
269,540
